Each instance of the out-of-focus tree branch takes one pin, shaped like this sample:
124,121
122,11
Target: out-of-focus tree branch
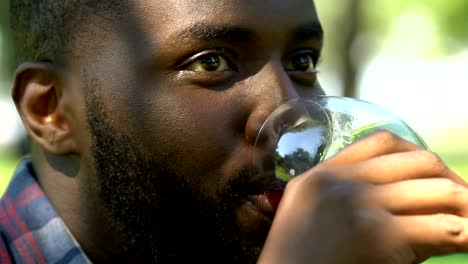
353,28
6,58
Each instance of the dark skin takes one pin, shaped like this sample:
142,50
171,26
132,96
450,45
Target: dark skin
190,84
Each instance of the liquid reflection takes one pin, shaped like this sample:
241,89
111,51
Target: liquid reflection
303,132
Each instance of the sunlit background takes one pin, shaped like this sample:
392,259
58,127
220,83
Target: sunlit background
410,56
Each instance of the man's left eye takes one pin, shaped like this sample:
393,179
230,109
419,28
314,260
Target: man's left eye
301,63
209,63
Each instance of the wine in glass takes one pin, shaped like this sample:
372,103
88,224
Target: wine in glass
306,131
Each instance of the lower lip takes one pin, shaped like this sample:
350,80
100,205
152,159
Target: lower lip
263,203
274,198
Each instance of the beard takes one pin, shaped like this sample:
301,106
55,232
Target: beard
162,216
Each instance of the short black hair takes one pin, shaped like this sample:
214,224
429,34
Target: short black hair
43,30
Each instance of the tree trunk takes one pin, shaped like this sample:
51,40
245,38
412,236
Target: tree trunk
351,25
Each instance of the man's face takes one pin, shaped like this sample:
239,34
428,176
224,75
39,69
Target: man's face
177,94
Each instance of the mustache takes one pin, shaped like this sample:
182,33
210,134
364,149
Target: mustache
251,180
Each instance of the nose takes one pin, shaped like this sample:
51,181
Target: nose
270,88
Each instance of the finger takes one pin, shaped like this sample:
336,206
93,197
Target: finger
398,167
432,235
426,196
375,145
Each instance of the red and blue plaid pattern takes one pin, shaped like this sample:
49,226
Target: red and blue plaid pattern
30,229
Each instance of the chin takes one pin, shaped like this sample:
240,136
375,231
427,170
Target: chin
254,222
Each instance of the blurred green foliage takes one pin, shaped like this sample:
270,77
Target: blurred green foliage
6,58
453,259
8,162
449,18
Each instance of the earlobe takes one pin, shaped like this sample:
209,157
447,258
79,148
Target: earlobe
38,93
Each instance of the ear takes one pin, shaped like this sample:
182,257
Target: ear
38,93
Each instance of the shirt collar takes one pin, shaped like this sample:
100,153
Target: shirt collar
34,230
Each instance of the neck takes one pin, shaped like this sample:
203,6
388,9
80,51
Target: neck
77,204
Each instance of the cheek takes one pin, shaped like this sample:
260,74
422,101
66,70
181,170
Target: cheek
196,131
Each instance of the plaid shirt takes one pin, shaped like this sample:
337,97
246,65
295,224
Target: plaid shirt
30,229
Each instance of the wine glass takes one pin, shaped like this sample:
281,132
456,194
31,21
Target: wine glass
306,131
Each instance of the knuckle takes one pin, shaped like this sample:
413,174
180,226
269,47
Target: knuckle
331,190
455,230
450,186
324,178
436,164
343,193
457,193
320,179
460,240
386,138
315,181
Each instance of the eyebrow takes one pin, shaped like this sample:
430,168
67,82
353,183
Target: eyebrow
308,31
205,32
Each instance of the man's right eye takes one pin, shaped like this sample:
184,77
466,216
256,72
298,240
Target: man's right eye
208,62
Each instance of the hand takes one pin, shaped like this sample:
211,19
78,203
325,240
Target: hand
380,200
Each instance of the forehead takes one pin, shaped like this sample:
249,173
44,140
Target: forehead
171,16
196,9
